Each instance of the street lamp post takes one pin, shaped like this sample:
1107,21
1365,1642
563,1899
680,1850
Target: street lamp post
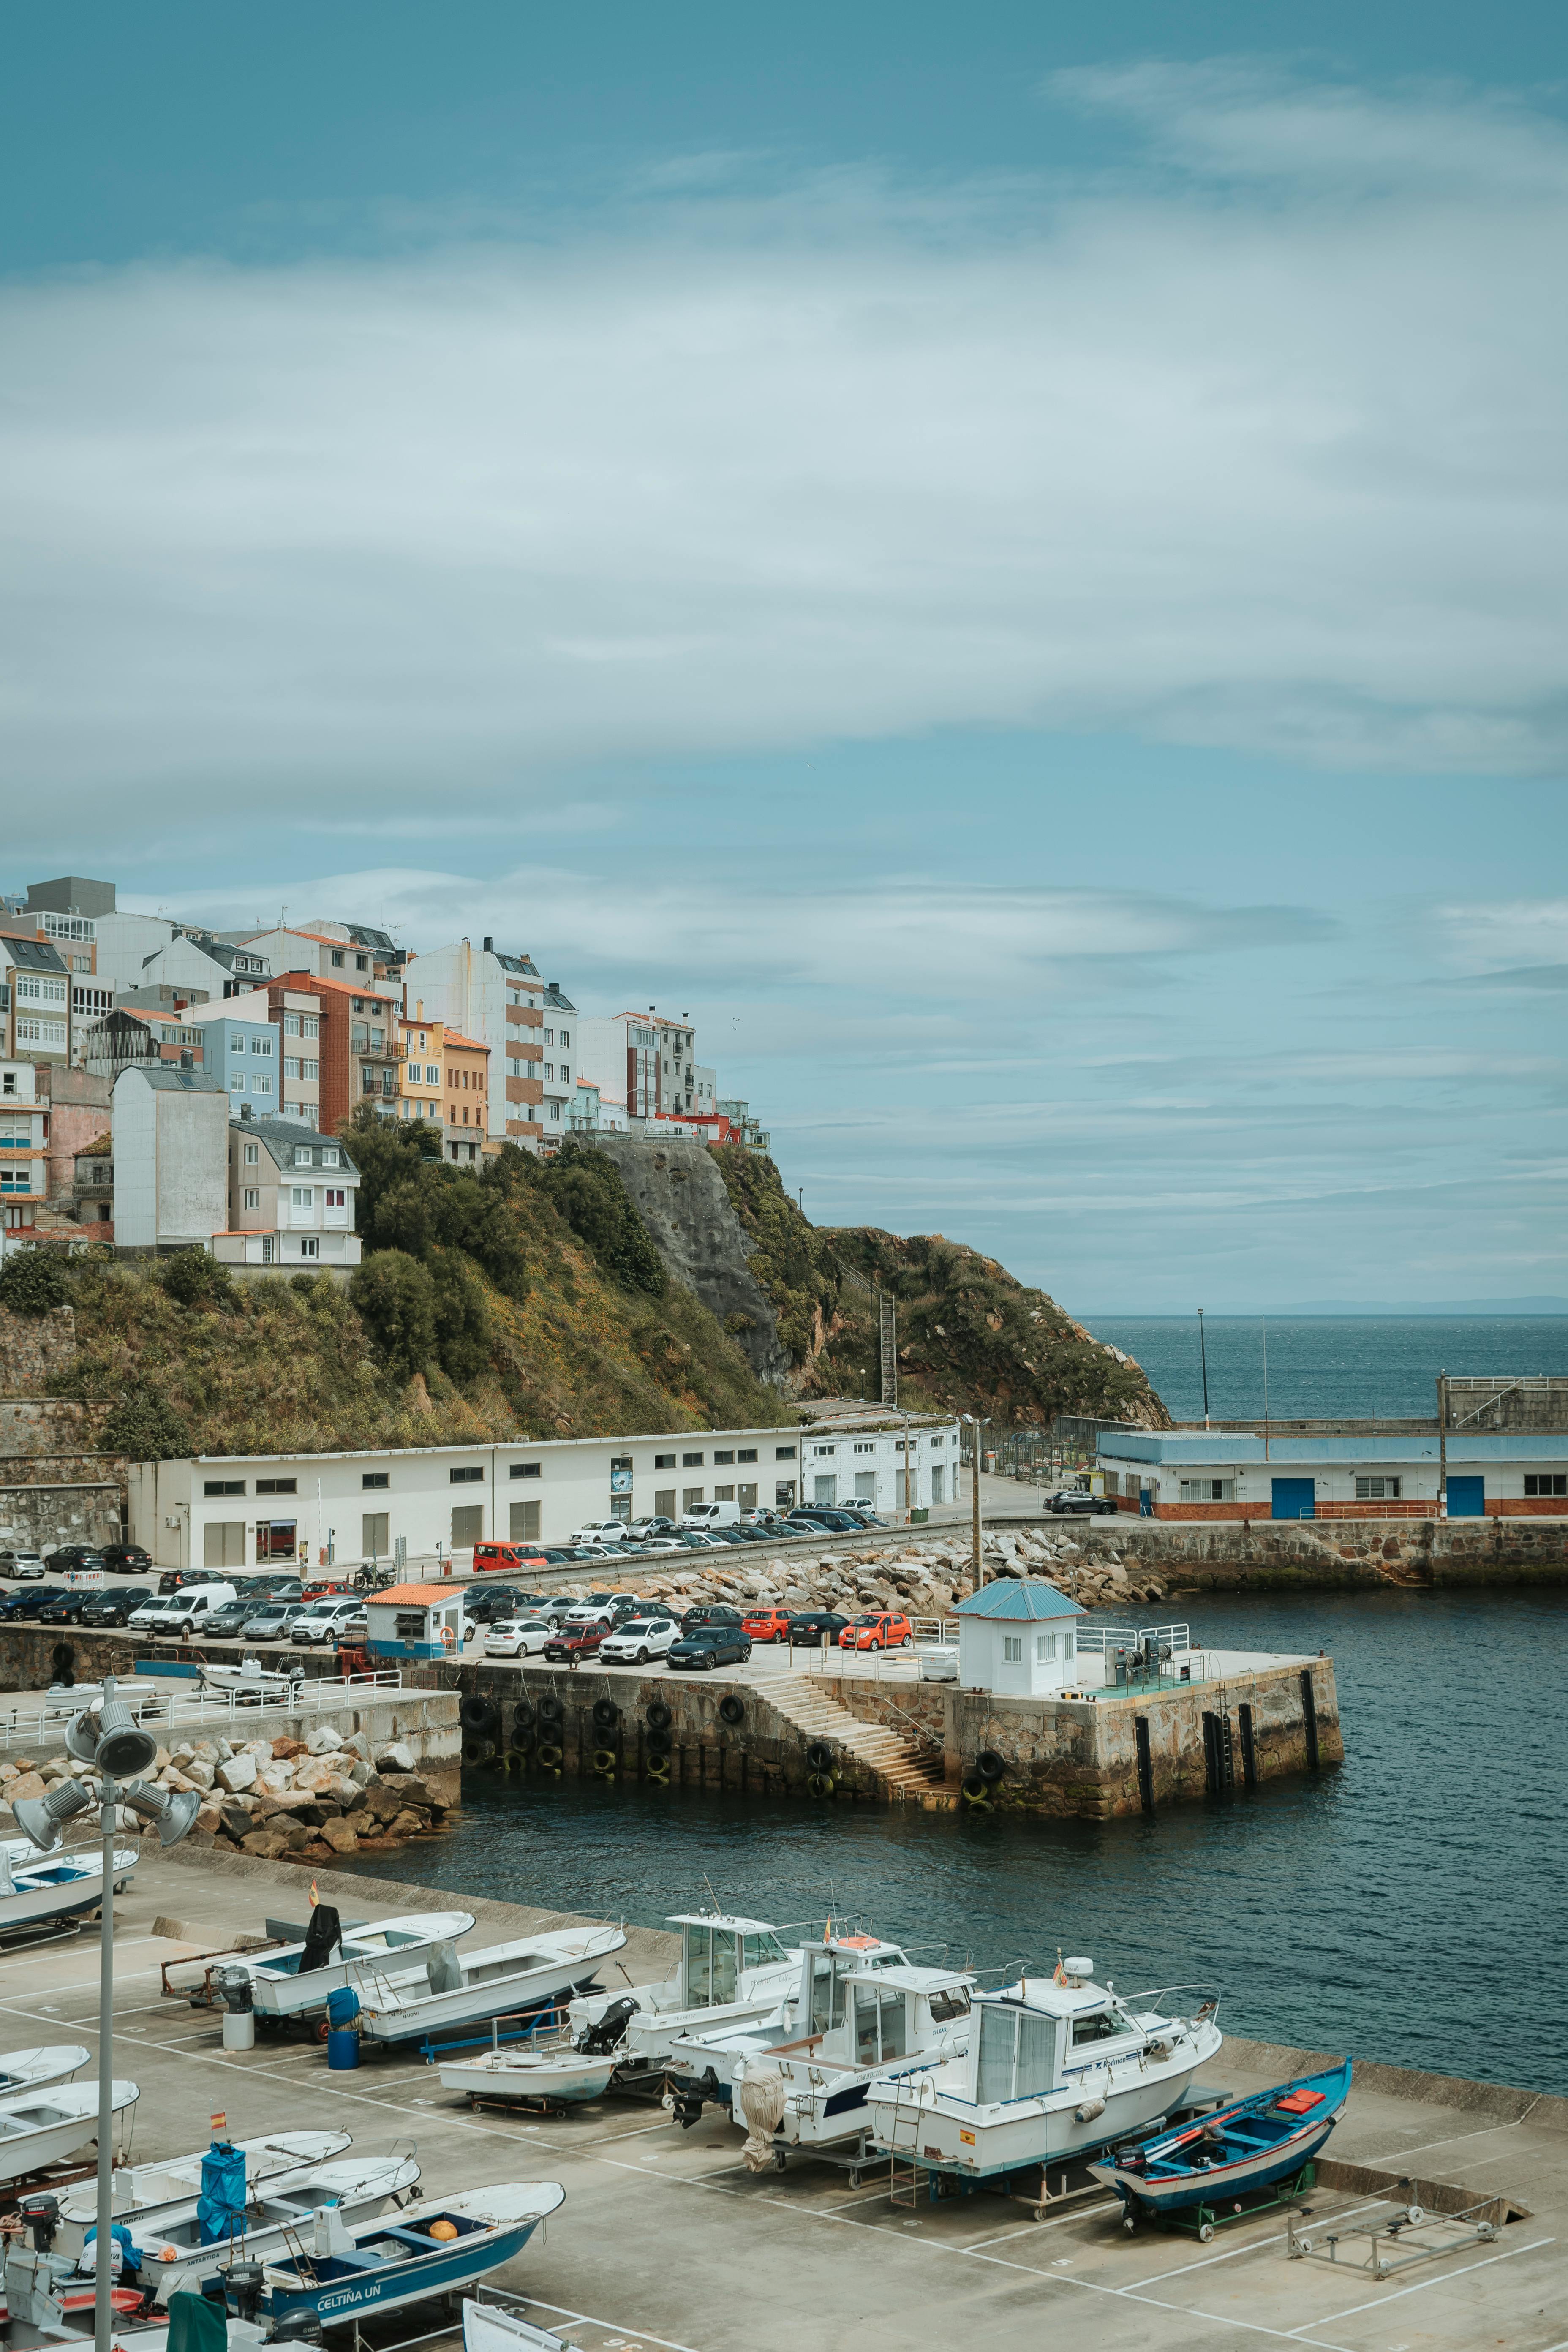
1203,1359
116,1743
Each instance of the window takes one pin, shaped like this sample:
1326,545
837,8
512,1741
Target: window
370,1478
433,1075
409,1625
1011,1649
222,1487
717,1458
1044,1647
362,963
252,1154
309,1246
468,1475
784,1493
253,1196
310,1024
302,1155
329,1155
865,1449
664,1461
1100,2025
1376,1490
290,1025
526,1469
827,1449
747,1454
551,1109
337,959
290,1066
277,1485
40,1033
566,1036
261,1084
936,1441
783,1453
309,1069
1209,1490
261,1046
691,1461
303,1195
14,1180
336,1196
690,1497
1545,1481
723,1494
414,1073
549,1036
524,1523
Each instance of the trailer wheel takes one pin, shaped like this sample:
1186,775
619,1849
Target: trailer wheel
1205,2232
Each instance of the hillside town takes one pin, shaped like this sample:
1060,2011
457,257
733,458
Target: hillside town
165,1084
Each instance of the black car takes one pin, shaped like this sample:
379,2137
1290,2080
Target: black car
126,1558
818,1516
1093,1507
68,1609
710,1645
710,1612
816,1629
174,1579
864,1515
28,1605
113,1608
77,1556
485,1604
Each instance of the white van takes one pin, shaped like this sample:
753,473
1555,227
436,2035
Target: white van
711,1515
181,1612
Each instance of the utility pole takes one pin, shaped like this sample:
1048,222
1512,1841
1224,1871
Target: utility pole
974,1499
1442,1445
888,1337
1203,1359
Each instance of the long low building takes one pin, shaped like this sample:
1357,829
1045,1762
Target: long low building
257,1510
1231,1475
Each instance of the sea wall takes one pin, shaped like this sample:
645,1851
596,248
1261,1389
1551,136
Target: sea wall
1268,1554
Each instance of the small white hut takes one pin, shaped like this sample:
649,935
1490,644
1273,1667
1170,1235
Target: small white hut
1018,1637
415,1620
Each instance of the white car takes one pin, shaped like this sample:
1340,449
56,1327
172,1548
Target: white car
589,1612
602,1531
326,1621
640,1639
665,1544
517,1637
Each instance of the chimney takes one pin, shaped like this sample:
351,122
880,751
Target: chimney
188,1059
490,945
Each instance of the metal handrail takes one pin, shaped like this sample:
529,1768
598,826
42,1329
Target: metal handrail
25,1727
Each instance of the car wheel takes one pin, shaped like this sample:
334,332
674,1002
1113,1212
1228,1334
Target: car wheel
641,1658
907,1640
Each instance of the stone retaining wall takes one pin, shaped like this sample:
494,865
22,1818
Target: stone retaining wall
1269,1554
33,1348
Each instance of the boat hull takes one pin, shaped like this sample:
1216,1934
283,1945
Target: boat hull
389,2285
566,2078
39,1900
269,2239
1180,2185
145,2192
278,1991
67,2121
33,2070
416,2019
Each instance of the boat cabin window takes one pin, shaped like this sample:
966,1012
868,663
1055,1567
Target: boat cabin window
710,1966
951,2003
881,2026
1099,2025
762,1951
826,1993
1017,2054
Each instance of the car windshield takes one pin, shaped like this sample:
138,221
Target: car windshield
873,1619
638,1625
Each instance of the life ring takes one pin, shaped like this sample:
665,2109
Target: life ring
606,1713
820,1784
659,1715
819,1756
448,1639
551,1709
732,1709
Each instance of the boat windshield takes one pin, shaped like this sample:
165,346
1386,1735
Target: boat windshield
1017,2054
710,1966
1099,2025
762,1951
881,2026
952,2001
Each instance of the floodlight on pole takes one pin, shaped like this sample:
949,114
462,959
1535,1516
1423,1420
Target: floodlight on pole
43,1818
174,1814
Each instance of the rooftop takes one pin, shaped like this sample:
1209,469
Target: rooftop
1184,1448
1018,1598
414,1595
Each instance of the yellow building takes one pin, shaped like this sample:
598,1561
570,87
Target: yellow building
422,1072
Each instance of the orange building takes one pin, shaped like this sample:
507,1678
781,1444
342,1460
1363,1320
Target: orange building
466,1065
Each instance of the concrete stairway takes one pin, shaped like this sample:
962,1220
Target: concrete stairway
906,1770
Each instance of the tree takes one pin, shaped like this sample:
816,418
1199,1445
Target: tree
195,1278
462,1319
34,1282
585,1186
396,1302
145,1426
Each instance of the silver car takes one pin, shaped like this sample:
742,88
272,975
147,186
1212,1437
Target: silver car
273,1621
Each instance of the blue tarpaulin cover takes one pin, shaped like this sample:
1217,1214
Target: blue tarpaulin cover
220,2208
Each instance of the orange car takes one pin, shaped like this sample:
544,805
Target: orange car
879,1629
766,1624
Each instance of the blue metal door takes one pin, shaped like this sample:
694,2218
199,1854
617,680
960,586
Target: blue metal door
1293,1499
1466,1499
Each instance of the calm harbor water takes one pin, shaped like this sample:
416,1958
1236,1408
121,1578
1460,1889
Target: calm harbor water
1321,1366
1408,1908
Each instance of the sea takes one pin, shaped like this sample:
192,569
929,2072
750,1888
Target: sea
1324,1367
1396,1908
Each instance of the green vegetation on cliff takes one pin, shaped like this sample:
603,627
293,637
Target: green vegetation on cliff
971,1338
522,1300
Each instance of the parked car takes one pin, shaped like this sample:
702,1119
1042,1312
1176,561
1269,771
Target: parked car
710,1645
729,1533
229,1623
29,1603
636,1640
818,1519
750,1534
878,1629
273,1621
489,1604
709,1515
1076,1499
74,1556
601,1531
816,1629
767,1625
323,1588
656,1545
187,1612
642,1529
491,1558
769,1521
126,1558
863,1514
711,1612
114,1608
517,1637
174,1579
322,1623
570,1644
22,1566
68,1609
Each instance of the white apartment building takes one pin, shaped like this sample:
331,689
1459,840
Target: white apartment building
290,1199
497,999
559,1043
171,1159
328,950
643,1061
23,1144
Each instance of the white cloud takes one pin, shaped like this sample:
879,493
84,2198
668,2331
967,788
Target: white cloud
1500,935
1280,468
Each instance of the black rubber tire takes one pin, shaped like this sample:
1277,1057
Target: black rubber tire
62,1657
658,1743
550,1708
522,1714
820,1784
732,1709
977,1789
478,1714
908,1639
605,1759
659,1715
658,1770
990,1766
819,1756
606,1713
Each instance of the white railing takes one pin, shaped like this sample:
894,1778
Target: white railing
1107,1639
42,1715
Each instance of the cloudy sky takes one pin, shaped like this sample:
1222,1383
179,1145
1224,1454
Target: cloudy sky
1017,572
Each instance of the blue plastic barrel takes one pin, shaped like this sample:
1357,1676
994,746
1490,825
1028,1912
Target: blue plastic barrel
342,2047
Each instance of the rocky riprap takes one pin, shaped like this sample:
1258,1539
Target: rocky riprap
286,1799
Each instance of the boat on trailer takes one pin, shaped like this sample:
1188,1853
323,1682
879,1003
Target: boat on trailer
1228,2155
39,2127
145,2192
292,1980
251,1683
176,2252
453,1990
546,2074
39,1890
379,2266
32,2070
730,1970
1056,2066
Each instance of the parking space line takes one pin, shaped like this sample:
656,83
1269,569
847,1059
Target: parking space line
1275,2237
1376,2302
1424,2148
586,2319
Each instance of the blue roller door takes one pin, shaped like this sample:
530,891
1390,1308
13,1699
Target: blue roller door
1466,1499
1293,1499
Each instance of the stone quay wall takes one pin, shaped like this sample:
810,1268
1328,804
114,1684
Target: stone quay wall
1264,1555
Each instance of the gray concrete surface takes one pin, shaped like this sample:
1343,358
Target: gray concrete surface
666,2241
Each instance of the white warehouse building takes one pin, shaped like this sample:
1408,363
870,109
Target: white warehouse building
255,1510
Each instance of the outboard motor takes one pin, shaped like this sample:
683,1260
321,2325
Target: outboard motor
41,2215
608,2031
243,2285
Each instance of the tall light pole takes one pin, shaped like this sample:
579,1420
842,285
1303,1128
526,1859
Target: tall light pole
1203,1359
110,1738
973,1420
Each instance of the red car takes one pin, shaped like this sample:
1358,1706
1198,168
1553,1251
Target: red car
766,1624
507,1555
573,1643
879,1629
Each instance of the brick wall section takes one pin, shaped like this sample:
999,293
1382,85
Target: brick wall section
33,1348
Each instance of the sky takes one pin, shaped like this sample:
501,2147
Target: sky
1014,571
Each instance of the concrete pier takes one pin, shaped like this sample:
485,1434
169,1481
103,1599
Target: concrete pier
664,2240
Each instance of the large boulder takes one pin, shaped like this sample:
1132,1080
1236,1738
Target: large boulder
266,1844
324,1740
283,1746
340,1837
26,1784
396,1756
237,1773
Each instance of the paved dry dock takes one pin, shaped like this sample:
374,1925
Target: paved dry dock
665,2240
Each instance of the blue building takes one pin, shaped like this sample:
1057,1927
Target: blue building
245,1058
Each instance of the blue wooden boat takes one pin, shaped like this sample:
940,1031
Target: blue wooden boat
381,2266
1250,2145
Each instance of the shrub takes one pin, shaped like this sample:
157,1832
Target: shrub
396,1302
34,1282
195,1278
145,1426
462,1319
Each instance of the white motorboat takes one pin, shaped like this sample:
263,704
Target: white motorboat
142,2193
173,2254
38,1890
38,2127
292,1979
1057,2066
30,2070
455,1989
730,1970
555,2074
250,1680
806,2090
